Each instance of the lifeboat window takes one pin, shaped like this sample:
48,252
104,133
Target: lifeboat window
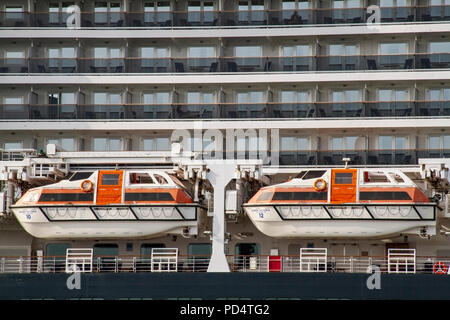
313,174
384,195
375,177
160,179
148,196
287,196
301,174
343,178
140,178
265,196
80,176
66,197
398,178
110,179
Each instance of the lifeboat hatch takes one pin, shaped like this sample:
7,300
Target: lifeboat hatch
343,185
109,188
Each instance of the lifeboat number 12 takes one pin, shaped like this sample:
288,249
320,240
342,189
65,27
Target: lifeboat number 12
261,212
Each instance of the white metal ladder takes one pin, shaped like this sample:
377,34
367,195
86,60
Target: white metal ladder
164,260
79,260
313,259
402,261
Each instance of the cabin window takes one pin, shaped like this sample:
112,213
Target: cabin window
63,144
56,249
13,145
13,104
343,178
106,249
14,13
58,252
146,248
247,249
197,249
110,179
200,254
140,178
80,176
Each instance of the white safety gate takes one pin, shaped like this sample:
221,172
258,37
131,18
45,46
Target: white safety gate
79,260
164,260
402,261
313,259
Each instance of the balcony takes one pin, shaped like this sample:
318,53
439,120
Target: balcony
272,110
168,19
359,157
226,64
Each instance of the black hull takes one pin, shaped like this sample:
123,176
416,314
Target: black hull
211,286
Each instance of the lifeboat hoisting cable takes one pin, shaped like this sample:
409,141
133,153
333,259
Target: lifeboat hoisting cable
320,185
86,186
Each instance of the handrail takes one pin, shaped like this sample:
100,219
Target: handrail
199,263
227,103
261,57
227,11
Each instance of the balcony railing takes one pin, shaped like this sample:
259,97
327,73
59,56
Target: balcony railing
226,64
273,110
225,18
359,157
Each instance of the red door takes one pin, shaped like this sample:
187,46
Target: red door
343,185
109,189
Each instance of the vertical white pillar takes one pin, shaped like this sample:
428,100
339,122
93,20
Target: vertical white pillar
220,173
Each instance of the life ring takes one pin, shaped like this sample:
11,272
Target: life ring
440,268
322,186
86,186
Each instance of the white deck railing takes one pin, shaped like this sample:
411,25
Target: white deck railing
193,263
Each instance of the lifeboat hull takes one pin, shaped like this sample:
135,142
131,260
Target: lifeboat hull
342,221
120,221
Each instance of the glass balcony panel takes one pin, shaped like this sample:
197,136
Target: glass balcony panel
440,60
14,111
194,111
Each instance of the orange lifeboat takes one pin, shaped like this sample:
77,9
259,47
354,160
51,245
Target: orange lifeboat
109,203
343,203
